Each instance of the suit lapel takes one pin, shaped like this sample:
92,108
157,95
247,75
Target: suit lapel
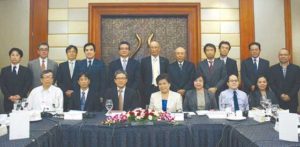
194,99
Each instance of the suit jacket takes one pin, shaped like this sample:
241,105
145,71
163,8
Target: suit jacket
131,98
191,103
92,103
64,80
174,101
146,69
132,70
216,77
97,73
255,98
231,69
12,84
248,72
286,85
181,79
36,70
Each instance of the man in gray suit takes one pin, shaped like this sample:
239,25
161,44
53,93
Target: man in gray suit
213,70
42,63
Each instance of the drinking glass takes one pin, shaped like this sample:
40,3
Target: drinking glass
109,105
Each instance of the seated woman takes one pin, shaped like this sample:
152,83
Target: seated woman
165,99
261,92
199,98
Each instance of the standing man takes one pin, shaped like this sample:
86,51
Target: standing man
15,80
37,66
123,97
66,74
253,67
131,66
230,64
181,72
93,67
213,71
151,67
285,81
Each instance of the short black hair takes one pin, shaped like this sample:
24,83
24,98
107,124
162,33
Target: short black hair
224,42
89,44
124,42
70,47
84,74
19,51
43,43
232,75
46,72
120,72
163,76
209,45
254,43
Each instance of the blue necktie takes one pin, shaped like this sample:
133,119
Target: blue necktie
235,100
90,63
82,101
255,66
15,70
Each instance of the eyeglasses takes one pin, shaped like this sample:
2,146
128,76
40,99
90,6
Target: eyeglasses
121,78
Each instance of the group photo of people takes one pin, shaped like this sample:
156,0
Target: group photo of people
152,83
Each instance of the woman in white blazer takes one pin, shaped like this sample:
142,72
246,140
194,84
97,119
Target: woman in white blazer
165,99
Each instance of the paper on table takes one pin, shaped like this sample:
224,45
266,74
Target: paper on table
19,125
178,116
288,126
202,112
217,115
190,113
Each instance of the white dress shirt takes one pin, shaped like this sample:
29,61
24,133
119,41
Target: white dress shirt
257,61
50,99
71,67
155,69
87,60
17,67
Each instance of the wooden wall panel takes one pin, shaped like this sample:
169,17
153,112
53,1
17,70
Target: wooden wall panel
191,10
247,32
288,26
38,31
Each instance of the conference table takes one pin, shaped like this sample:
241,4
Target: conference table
197,131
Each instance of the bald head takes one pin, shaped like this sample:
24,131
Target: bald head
154,48
284,56
180,54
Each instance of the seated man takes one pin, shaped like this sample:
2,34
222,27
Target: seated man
84,98
233,97
46,97
124,98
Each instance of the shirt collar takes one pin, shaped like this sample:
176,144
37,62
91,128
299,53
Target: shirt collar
17,65
85,91
43,59
257,59
213,60
224,59
180,62
157,58
121,58
72,61
123,89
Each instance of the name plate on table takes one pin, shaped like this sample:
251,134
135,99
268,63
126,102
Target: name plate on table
288,126
217,115
178,116
74,115
19,125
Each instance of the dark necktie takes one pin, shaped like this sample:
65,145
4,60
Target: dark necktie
43,66
82,101
15,70
90,63
210,65
255,66
235,101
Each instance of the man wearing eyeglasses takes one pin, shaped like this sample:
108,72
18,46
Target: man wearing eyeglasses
233,97
123,97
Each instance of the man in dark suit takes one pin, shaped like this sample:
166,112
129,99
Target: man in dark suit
230,64
66,74
213,70
37,66
85,98
181,72
151,67
15,80
285,81
131,66
253,67
94,67
123,97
